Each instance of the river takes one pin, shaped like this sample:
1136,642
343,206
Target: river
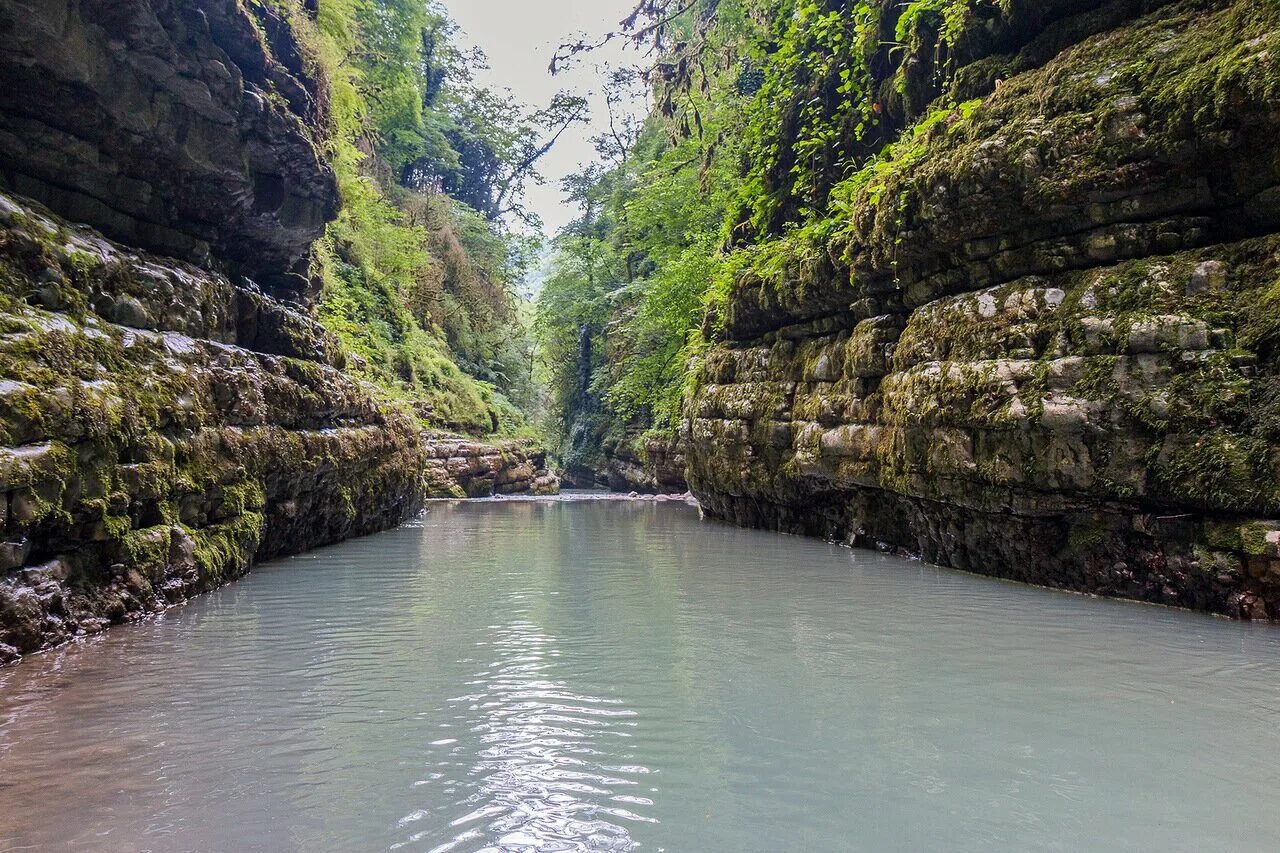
566,675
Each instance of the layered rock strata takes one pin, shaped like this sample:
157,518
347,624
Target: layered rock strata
459,467
1046,345
164,423
183,128
644,464
162,427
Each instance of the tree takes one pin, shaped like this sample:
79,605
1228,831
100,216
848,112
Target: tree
499,145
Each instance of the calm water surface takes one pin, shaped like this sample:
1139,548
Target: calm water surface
552,676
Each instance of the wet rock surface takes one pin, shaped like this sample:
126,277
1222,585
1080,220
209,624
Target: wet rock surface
458,467
1052,355
185,128
639,462
645,464
161,428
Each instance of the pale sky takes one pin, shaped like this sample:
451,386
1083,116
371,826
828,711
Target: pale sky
520,37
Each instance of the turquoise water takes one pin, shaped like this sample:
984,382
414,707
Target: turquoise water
583,676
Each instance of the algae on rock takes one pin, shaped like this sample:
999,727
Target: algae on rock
153,453
1034,336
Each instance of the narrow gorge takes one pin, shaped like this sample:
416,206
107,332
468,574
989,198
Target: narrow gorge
989,283
694,425
992,283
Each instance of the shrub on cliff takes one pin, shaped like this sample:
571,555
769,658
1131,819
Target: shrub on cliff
419,269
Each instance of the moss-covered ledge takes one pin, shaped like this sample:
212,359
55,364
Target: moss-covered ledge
162,427
1037,336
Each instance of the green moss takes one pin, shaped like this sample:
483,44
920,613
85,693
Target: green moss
1222,471
347,502
243,498
117,527
404,360
224,551
1253,538
978,394
1085,538
1260,331
1188,65
1222,535
147,549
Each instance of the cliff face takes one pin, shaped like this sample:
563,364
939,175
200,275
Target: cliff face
182,128
171,410
643,463
459,467
1044,345
162,427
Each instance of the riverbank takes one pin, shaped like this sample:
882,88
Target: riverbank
204,362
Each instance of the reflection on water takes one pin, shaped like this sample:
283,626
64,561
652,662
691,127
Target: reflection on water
555,676
544,781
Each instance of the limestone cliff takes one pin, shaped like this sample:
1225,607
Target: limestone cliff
1044,342
170,407
461,467
161,427
182,128
643,463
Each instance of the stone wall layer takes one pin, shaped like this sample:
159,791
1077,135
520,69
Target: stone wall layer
185,127
461,467
162,427
1043,344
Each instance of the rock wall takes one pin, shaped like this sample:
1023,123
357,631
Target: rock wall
1047,344
644,464
185,128
164,423
459,467
161,427
636,462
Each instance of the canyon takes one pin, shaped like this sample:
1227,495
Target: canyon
1041,342
799,493
171,410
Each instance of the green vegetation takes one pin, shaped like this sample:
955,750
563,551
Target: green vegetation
419,270
767,122
821,154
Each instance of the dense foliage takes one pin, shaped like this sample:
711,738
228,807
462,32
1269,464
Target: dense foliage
419,270
769,118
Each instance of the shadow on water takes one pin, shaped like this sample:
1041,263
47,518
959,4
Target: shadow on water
566,675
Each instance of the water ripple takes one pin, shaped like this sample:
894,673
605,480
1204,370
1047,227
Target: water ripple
614,676
539,784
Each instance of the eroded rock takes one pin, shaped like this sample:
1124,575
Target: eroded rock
459,467
142,463
186,128
1046,348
